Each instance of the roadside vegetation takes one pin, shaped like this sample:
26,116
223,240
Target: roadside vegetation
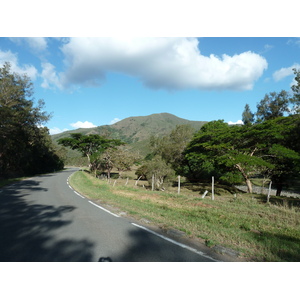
25,145
259,231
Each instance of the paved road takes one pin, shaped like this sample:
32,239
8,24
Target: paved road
43,219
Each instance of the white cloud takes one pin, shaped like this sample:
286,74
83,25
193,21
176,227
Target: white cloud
239,122
56,130
115,120
285,72
267,48
85,124
38,44
50,77
12,58
168,63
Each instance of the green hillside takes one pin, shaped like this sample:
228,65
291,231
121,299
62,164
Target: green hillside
136,131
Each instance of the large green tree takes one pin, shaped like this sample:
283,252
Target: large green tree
282,149
227,152
25,146
91,146
230,152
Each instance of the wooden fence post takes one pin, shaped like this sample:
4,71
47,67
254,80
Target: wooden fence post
204,194
269,192
153,182
138,180
213,188
178,184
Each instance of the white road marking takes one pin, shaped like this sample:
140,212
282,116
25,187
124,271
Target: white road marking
176,243
78,194
104,209
68,183
91,201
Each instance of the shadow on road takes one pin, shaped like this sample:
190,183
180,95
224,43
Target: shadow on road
26,230
146,247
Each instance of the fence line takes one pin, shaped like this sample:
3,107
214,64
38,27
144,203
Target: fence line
261,190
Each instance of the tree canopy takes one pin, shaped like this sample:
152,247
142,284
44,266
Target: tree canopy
248,116
91,146
296,91
273,105
233,152
25,145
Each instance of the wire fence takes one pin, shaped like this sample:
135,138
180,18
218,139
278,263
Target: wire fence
264,191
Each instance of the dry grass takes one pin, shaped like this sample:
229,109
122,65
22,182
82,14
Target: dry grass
259,231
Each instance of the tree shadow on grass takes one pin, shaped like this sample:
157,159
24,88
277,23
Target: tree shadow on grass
27,230
281,247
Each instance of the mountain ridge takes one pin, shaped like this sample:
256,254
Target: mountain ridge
136,131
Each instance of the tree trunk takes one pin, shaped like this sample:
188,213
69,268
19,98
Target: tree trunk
246,177
108,173
278,189
89,160
249,185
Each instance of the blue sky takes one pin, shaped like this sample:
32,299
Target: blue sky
61,74
89,82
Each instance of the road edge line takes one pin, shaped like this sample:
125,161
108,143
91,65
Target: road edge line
176,243
104,209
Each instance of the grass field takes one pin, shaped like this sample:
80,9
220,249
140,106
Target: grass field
259,231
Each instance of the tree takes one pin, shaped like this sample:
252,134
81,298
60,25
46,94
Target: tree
226,150
171,147
103,161
261,148
166,156
273,105
296,91
156,171
89,145
124,159
282,149
25,146
248,116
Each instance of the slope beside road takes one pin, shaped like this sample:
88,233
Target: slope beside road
44,219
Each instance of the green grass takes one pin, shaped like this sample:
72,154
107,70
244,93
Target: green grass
259,231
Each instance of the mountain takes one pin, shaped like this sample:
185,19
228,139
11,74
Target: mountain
136,131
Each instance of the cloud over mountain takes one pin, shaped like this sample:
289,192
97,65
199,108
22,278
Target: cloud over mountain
85,124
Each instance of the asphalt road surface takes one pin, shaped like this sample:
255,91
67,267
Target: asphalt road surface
42,219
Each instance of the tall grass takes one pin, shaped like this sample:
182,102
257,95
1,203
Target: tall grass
245,223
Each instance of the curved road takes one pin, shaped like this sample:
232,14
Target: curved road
43,219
